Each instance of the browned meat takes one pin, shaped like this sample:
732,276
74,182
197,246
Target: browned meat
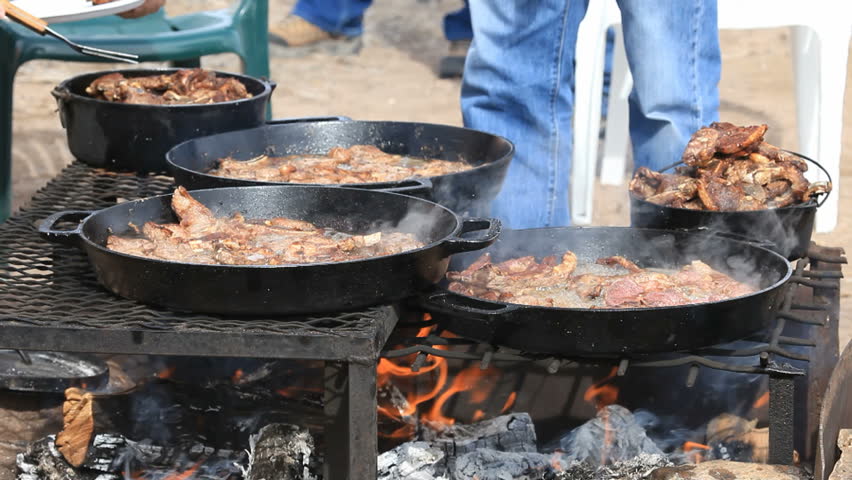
356,164
527,281
189,86
729,168
200,237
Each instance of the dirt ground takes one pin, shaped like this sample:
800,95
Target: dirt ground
393,78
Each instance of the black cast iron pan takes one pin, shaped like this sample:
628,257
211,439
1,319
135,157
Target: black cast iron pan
284,289
125,137
589,332
788,228
468,193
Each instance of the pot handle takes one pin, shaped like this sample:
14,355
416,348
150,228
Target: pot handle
283,121
457,244
48,230
412,186
62,95
449,302
828,175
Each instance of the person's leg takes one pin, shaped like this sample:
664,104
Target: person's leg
517,83
673,51
338,17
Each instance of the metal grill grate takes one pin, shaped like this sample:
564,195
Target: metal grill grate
51,300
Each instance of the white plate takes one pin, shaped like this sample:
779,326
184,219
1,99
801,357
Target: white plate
59,11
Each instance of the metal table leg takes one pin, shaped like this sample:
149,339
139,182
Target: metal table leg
351,434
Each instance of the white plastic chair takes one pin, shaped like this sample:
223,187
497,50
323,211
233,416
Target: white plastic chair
821,30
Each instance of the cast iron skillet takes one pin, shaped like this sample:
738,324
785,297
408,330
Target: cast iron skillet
135,138
789,228
285,289
467,193
589,332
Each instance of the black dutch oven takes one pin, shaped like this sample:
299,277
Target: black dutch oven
467,193
135,138
278,289
787,229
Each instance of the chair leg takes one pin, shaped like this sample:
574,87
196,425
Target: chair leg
616,136
833,58
588,87
191,63
7,79
251,20
805,50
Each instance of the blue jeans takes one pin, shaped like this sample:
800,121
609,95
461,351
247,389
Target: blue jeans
346,17
518,77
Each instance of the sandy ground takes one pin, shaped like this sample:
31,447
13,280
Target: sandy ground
393,78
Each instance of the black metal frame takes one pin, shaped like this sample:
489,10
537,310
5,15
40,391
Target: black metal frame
768,352
53,302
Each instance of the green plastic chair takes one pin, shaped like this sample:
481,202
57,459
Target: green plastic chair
182,40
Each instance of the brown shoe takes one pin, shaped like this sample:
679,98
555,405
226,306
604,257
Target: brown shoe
300,37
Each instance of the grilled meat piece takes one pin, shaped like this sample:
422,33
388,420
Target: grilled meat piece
729,168
356,164
187,86
527,281
201,237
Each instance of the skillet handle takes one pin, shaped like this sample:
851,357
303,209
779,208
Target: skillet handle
283,121
48,230
453,303
457,244
412,186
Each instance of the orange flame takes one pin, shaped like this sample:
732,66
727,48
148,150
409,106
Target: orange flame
186,474
166,373
509,402
601,394
695,451
237,376
481,382
762,401
478,415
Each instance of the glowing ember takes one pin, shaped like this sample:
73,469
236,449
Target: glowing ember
166,373
184,475
509,402
237,376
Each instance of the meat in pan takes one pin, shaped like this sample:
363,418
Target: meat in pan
612,282
201,237
356,164
189,86
730,168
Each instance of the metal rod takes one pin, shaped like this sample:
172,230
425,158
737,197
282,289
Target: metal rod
781,418
25,357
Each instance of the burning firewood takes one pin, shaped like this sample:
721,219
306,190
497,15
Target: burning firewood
282,452
78,426
734,438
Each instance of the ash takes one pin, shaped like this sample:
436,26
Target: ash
639,468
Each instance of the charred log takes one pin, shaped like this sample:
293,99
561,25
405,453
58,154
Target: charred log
843,468
613,435
281,452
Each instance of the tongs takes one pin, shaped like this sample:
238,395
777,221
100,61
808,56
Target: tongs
40,26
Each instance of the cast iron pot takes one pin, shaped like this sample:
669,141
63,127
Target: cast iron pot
278,289
788,228
467,193
135,138
608,331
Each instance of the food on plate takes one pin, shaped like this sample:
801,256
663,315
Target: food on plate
188,86
356,164
611,282
201,237
730,168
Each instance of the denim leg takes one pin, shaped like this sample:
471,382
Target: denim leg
517,83
340,17
457,24
673,50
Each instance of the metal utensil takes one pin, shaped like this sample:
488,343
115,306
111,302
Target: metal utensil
40,26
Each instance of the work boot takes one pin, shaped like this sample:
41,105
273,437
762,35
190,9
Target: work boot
299,37
452,65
